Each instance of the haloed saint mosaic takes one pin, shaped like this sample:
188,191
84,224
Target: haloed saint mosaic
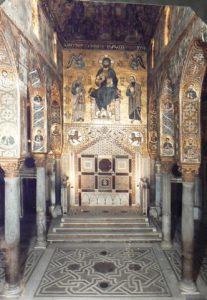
105,85
100,271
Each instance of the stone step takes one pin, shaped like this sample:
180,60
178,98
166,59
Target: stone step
105,235
104,219
108,239
104,229
102,224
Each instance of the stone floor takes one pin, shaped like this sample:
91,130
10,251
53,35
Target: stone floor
104,271
86,271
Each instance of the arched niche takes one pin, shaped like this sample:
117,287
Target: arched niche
189,104
9,103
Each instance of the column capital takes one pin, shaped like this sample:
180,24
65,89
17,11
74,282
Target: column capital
57,156
189,171
50,155
40,160
166,165
158,166
153,155
11,167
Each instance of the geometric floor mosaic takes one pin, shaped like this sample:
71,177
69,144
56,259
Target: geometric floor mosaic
89,272
174,259
2,265
27,266
30,264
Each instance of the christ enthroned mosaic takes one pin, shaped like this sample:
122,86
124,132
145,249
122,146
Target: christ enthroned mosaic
99,271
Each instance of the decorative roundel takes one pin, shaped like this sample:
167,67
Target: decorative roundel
105,165
135,138
74,137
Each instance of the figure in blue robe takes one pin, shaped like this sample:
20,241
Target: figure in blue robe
106,81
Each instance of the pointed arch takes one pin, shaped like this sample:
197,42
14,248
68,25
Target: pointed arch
189,103
9,102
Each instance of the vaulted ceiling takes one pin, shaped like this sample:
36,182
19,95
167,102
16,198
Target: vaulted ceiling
84,22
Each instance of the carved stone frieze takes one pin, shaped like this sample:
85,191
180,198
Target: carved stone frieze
189,171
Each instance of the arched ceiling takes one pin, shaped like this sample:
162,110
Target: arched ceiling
84,22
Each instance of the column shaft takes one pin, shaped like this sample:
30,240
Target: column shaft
12,236
187,284
58,181
166,211
41,207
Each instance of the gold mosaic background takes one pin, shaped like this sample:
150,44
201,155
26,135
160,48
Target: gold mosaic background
84,65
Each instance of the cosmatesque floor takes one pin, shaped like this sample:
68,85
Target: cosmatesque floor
104,271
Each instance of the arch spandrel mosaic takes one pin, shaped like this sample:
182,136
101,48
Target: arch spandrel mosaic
190,94
9,103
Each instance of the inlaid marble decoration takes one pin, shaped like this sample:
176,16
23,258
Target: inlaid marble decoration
9,103
114,272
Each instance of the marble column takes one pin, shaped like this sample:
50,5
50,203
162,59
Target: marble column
12,286
166,205
58,180
40,201
152,180
187,283
158,185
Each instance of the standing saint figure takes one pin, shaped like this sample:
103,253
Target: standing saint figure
78,100
106,81
134,93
